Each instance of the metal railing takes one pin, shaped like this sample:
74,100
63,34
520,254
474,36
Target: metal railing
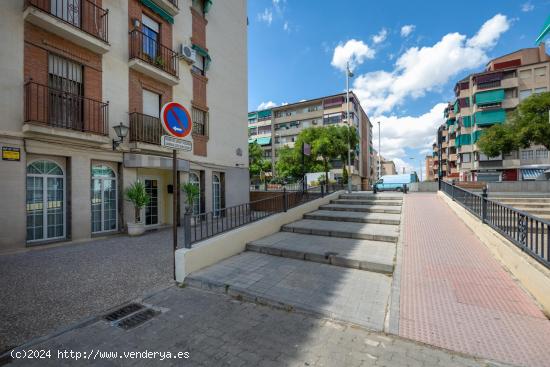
528,232
152,52
145,128
56,108
198,227
82,14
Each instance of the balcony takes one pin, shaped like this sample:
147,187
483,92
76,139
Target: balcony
81,22
509,103
149,57
169,6
145,129
47,108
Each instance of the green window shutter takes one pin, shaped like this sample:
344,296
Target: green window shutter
450,122
264,114
252,115
266,140
477,134
251,140
467,121
158,10
485,118
456,107
489,97
207,6
201,51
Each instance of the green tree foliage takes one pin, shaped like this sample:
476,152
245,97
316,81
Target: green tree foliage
527,125
256,160
327,143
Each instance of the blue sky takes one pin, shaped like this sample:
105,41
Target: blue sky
407,56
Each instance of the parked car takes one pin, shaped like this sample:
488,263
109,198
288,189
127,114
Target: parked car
394,182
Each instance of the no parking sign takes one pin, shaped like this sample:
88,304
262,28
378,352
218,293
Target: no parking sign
176,122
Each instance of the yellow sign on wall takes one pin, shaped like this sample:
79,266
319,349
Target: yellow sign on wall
11,154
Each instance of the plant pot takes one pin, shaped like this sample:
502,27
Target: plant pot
135,229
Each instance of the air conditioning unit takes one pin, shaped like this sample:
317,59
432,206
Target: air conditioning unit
188,54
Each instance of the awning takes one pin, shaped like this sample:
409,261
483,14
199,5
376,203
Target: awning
544,31
207,6
201,51
251,140
266,140
531,173
157,9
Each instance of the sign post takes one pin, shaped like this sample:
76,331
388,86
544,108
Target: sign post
177,123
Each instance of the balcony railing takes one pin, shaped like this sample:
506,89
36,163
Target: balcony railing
56,108
149,50
145,128
82,14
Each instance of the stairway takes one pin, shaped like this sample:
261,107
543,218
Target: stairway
336,262
537,206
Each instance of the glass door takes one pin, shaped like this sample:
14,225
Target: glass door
152,209
103,199
216,195
45,201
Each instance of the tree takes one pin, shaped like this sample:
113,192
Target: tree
527,125
257,162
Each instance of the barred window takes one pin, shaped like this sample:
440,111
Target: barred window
200,121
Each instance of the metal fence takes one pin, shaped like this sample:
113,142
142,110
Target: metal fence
530,233
198,227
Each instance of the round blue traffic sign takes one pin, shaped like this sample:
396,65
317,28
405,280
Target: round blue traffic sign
176,120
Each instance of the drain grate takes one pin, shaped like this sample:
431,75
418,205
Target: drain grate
123,312
137,319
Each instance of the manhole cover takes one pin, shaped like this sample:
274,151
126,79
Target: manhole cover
123,312
137,319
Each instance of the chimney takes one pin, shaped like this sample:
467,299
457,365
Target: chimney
542,52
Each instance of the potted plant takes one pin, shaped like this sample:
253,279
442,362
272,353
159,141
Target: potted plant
191,194
137,195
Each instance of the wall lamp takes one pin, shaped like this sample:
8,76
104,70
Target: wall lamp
121,131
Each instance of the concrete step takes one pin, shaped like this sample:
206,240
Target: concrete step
524,204
381,196
358,217
367,202
390,209
344,294
534,211
365,231
346,252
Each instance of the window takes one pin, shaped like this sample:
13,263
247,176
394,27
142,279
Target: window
68,10
199,65
333,118
151,103
540,90
314,108
103,199
216,195
527,154
200,121
45,201
466,157
66,89
525,74
151,30
540,72
524,94
541,153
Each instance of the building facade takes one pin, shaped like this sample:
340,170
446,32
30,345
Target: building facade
75,70
277,127
482,100
429,168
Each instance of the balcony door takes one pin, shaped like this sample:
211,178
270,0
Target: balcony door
104,199
152,208
68,10
65,93
151,30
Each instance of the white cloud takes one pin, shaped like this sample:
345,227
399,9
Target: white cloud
421,70
266,105
527,7
266,16
380,37
400,164
490,31
354,51
286,27
406,30
411,132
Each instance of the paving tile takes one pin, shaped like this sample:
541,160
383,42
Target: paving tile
455,295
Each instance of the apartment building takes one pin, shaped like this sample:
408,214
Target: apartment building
429,168
482,100
77,75
277,127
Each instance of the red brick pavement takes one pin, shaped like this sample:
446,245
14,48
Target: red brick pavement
455,295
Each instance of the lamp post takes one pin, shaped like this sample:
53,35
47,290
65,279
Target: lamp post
379,154
349,74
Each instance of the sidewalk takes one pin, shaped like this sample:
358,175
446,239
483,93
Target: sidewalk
455,295
217,330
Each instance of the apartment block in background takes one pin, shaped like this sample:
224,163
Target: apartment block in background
77,69
484,99
277,127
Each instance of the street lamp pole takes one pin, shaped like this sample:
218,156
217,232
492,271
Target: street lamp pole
348,75
379,154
